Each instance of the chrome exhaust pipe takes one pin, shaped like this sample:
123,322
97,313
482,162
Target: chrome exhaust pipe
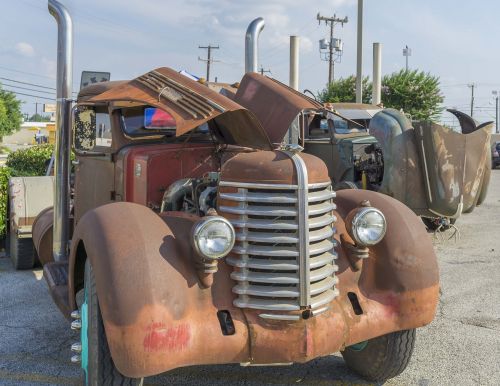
252,44
63,128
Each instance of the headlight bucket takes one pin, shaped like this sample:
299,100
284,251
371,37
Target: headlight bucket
366,225
213,237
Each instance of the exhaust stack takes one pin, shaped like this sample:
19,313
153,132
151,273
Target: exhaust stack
63,128
294,62
377,74
252,44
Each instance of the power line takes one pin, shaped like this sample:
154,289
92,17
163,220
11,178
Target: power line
29,89
33,96
27,83
209,59
26,73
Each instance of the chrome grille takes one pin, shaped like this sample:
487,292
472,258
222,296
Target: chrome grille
267,262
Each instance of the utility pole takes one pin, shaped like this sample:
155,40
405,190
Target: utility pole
209,59
331,21
496,93
359,61
407,53
472,85
262,71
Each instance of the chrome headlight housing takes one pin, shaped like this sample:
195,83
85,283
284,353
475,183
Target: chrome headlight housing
368,226
213,237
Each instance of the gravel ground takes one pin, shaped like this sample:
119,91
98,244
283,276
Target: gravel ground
461,346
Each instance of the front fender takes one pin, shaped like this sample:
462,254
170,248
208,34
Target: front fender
148,289
398,284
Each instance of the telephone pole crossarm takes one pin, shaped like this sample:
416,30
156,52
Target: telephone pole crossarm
209,60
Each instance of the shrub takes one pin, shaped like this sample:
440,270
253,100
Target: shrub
5,174
31,161
20,163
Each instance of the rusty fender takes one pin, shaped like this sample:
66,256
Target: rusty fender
156,313
398,284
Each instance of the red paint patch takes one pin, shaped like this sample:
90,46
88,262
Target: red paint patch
391,303
162,338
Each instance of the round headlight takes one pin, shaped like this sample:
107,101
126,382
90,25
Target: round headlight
368,226
213,237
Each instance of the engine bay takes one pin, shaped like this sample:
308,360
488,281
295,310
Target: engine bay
368,162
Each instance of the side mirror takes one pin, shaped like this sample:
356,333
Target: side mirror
84,128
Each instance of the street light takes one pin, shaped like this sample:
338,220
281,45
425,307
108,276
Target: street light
406,53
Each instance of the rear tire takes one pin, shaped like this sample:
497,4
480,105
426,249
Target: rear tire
21,252
381,358
97,364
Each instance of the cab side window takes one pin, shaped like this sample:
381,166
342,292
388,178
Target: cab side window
318,129
103,128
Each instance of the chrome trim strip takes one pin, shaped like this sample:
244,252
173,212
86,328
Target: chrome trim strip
303,231
279,317
249,185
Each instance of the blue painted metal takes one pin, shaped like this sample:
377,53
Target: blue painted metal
359,346
84,337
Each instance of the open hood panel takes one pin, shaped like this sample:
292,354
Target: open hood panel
275,104
191,104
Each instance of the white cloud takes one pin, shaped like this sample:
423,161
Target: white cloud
49,67
25,49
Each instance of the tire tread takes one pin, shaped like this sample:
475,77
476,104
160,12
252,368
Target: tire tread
385,357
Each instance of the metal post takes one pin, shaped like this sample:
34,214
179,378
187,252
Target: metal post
359,64
330,58
377,74
252,44
406,54
496,115
472,85
294,62
63,128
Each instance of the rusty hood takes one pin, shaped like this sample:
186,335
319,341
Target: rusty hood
275,104
191,104
457,166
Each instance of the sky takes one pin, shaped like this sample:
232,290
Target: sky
455,40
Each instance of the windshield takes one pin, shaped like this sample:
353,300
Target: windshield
144,121
343,126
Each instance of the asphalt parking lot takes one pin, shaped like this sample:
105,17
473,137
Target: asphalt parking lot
461,346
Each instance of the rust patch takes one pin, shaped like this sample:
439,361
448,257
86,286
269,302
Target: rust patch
159,337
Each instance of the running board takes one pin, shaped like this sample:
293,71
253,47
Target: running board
56,275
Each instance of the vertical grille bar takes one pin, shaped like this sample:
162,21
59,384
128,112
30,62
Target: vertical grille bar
303,231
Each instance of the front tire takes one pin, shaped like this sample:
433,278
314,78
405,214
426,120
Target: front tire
383,357
97,364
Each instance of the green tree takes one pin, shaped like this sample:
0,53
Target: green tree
12,119
39,118
415,92
344,90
